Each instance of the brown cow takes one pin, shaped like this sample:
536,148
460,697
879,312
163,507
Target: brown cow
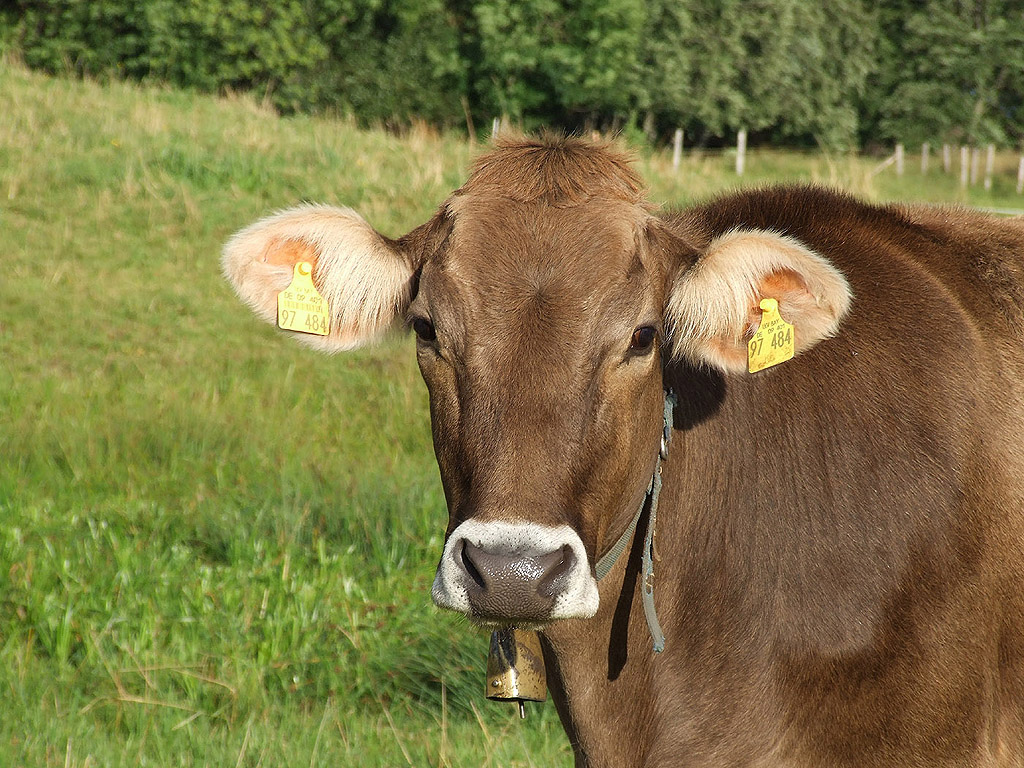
839,539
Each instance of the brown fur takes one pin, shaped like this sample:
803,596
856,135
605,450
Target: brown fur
555,171
840,538
837,539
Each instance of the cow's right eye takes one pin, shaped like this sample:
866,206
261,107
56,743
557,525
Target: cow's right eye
643,338
424,329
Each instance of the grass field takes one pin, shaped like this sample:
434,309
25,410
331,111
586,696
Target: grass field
215,546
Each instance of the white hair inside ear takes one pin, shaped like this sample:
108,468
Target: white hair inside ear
364,279
714,307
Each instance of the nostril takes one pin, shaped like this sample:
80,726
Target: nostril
468,564
495,580
557,571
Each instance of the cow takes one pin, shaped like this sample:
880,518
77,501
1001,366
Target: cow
837,556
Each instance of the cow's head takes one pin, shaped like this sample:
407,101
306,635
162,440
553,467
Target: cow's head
544,294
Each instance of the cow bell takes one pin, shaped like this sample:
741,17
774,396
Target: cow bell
515,668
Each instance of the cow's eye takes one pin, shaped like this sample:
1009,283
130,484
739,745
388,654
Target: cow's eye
423,328
643,338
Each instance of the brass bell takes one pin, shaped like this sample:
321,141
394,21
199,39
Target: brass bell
515,668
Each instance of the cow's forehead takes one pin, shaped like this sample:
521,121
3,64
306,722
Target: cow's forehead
538,209
546,240
532,265
500,240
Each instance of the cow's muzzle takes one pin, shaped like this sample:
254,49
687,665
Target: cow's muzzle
507,573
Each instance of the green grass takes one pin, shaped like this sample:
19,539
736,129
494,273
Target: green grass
215,546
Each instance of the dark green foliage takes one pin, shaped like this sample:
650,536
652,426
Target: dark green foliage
540,60
389,61
381,60
782,66
955,73
791,71
83,36
234,44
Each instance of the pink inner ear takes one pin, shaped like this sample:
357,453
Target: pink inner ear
785,285
791,291
282,252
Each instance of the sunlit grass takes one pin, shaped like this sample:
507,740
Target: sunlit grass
215,546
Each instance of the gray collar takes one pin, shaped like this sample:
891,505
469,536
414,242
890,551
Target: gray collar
650,502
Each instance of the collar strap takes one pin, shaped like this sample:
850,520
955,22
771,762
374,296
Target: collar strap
650,502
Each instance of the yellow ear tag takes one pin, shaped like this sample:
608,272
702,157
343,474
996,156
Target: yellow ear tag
300,307
774,340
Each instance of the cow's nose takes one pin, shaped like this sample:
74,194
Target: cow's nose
502,585
505,572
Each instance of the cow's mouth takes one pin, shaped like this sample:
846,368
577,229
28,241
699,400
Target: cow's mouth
521,574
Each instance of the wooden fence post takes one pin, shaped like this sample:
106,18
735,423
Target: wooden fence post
990,162
947,158
965,166
741,151
677,149
924,158
899,159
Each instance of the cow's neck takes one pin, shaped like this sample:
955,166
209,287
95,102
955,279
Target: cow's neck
587,660
600,670
649,512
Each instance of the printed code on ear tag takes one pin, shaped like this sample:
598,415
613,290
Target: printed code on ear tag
774,341
300,307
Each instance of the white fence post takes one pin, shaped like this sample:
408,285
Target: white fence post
965,166
1020,176
975,165
899,159
741,151
924,158
677,149
495,126
947,158
990,163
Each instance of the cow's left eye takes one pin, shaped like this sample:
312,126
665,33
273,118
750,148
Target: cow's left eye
423,328
643,338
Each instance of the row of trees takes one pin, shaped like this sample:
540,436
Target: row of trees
800,71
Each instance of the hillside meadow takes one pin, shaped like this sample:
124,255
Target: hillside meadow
216,547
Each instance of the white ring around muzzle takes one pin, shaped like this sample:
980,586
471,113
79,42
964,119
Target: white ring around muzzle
579,599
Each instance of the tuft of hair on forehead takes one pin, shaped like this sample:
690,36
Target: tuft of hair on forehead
557,170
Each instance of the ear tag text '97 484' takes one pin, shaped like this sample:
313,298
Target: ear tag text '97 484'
773,341
300,307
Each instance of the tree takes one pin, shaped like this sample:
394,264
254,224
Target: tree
786,66
216,44
88,38
390,60
552,60
666,83
957,74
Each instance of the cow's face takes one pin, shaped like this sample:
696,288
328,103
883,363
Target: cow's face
541,295
538,333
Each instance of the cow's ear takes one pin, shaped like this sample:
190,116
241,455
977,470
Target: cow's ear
713,307
365,278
